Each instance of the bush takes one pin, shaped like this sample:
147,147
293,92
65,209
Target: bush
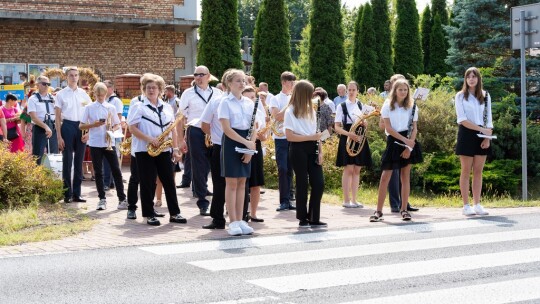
23,182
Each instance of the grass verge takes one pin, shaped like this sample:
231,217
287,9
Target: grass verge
34,224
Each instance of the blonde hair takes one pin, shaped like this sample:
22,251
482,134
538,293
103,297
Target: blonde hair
100,88
152,78
229,75
42,78
407,102
301,99
71,68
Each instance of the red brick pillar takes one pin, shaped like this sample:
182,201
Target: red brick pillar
128,86
185,82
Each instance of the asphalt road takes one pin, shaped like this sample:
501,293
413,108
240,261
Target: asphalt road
481,260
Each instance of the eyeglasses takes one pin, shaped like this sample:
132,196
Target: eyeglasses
45,84
199,74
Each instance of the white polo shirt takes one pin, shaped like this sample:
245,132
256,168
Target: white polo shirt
399,117
93,112
117,103
210,116
300,126
72,103
279,101
150,112
354,111
40,108
472,110
238,111
194,100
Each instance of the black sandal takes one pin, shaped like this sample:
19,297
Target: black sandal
406,216
376,217
256,220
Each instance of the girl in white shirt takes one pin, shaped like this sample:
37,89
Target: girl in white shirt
300,126
473,110
235,113
400,116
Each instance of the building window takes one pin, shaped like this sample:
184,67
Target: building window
9,73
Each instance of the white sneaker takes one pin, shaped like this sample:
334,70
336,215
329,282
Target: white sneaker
102,205
123,205
478,209
467,210
349,205
234,229
358,205
245,227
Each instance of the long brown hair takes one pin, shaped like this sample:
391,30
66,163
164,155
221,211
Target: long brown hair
407,102
301,99
479,86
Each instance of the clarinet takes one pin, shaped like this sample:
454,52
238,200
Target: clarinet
318,118
250,131
409,130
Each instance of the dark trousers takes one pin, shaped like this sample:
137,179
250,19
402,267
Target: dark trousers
72,155
308,173
149,169
107,180
285,170
133,184
394,190
39,142
186,177
218,200
200,165
98,157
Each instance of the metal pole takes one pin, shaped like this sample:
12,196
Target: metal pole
523,108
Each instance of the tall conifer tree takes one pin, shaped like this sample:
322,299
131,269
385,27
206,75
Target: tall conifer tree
437,49
356,45
426,33
383,44
365,60
219,44
439,7
326,52
407,47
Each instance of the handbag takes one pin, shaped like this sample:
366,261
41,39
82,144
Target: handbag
12,133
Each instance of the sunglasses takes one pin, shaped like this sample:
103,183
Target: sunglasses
45,84
199,74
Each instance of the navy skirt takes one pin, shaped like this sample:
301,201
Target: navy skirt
257,167
343,158
391,158
468,143
231,161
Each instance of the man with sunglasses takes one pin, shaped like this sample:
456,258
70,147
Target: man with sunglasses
192,104
41,110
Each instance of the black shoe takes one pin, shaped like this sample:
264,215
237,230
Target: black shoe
111,186
213,225
304,224
157,214
78,199
255,219
283,207
318,224
68,200
208,193
152,221
106,188
292,207
411,208
262,191
204,212
293,198
177,219
182,185
131,215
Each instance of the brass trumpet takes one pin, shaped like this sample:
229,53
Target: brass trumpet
353,147
207,140
108,127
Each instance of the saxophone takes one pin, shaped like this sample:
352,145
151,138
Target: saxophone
125,146
164,141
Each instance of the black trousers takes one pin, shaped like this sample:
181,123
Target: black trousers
39,142
308,173
285,170
98,156
200,165
72,154
394,190
218,200
149,169
133,185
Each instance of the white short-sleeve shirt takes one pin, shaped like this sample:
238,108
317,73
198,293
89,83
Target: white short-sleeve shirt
210,116
117,103
399,117
279,101
300,126
72,103
94,112
237,111
194,100
331,104
149,125
354,111
472,110
40,108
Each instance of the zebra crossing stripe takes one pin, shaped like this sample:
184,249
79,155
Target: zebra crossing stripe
314,237
493,293
391,272
362,250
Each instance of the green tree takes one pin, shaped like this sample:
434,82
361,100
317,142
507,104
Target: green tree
365,61
437,49
407,47
219,44
383,45
349,18
439,7
426,33
326,53
356,37
272,49
301,69
247,14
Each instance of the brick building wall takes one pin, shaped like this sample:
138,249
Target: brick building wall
124,8
111,52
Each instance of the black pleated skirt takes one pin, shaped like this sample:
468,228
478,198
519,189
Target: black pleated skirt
343,158
257,167
468,143
231,161
391,158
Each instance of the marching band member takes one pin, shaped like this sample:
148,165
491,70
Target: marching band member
346,114
98,118
473,109
306,154
235,113
277,105
400,115
147,122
